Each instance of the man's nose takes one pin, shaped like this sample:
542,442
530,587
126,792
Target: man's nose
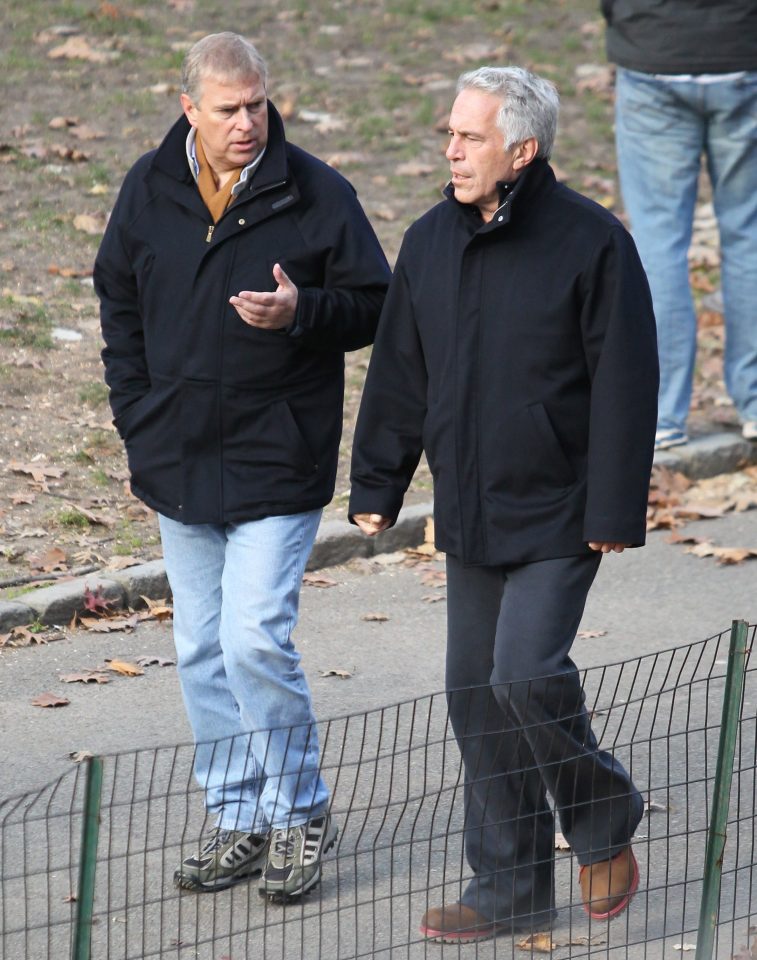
245,120
453,150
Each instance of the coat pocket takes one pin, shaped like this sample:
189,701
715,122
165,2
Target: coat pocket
548,452
149,406
264,440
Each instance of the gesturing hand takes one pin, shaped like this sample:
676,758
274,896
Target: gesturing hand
268,311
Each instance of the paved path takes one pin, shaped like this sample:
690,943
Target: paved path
643,602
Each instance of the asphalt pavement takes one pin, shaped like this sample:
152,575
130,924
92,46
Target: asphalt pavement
371,636
644,600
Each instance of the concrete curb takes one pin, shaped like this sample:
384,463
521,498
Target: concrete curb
337,542
709,455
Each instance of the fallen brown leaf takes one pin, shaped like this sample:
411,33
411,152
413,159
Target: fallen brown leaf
317,580
61,123
434,578
543,942
728,556
91,676
124,668
375,617
49,700
66,152
384,212
68,272
92,224
79,48
154,660
122,563
156,609
52,559
346,158
108,624
84,132
39,472
20,637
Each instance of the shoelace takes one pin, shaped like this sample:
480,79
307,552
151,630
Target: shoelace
221,837
283,844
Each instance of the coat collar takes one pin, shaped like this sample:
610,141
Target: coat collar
537,178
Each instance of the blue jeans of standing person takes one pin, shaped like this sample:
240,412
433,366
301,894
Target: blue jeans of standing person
236,594
663,128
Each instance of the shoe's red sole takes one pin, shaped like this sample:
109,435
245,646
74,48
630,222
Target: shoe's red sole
458,936
624,902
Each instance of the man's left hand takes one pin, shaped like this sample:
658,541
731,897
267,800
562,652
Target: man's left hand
604,546
268,311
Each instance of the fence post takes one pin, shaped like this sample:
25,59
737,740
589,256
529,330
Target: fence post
90,831
713,864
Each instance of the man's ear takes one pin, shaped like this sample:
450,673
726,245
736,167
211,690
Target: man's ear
189,109
525,153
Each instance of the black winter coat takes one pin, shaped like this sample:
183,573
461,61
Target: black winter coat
224,422
521,355
682,36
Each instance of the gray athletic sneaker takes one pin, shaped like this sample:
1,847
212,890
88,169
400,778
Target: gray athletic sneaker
294,858
226,858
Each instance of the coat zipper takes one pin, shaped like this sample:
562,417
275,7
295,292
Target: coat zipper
273,186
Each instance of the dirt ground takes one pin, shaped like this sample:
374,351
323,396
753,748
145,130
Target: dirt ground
365,85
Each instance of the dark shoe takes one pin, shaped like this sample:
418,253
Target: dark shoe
294,859
608,885
226,858
456,923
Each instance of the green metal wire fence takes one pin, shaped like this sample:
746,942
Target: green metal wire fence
397,789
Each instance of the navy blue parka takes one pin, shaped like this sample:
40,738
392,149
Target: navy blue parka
521,356
224,422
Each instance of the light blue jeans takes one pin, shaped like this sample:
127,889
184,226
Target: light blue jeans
663,128
236,595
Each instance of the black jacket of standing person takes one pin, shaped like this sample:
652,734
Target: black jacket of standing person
224,422
682,36
520,354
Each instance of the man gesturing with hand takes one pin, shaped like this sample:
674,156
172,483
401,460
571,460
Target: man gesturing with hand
235,272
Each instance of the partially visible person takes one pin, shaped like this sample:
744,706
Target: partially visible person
687,88
517,348
235,271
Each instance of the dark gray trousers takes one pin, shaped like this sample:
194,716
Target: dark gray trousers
517,709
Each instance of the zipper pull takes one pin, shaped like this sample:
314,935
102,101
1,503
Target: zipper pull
209,237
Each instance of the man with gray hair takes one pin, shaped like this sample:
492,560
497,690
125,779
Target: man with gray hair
235,271
517,348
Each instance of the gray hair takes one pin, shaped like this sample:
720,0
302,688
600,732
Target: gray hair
223,56
530,104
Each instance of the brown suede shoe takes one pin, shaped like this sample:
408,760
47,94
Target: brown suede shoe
456,923
608,885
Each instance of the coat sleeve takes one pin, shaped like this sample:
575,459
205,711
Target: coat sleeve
123,355
389,433
620,345
343,313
